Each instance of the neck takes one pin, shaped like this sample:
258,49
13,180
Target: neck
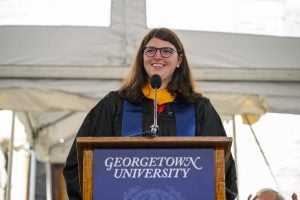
164,84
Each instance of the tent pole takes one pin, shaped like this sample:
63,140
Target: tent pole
32,175
48,178
262,153
10,157
235,150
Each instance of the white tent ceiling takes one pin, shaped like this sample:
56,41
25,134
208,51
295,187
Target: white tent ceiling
52,75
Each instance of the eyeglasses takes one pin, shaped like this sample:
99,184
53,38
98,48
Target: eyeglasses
165,52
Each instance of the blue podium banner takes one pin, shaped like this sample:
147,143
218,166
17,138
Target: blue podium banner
153,174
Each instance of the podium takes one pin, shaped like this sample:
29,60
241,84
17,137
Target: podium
87,146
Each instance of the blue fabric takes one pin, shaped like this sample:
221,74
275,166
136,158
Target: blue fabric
185,119
132,119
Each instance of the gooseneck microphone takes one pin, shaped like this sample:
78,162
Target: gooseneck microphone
155,84
155,81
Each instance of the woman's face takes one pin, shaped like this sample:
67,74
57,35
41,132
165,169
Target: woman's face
162,65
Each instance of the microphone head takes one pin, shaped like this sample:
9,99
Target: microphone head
155,81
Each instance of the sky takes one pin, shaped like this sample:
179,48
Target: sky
276,17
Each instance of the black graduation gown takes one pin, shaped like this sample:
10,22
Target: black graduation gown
105,119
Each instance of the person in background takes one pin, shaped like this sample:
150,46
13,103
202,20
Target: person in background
267,194
160,53
294,196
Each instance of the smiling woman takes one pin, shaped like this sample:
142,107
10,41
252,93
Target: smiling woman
240,73
163,63
181,110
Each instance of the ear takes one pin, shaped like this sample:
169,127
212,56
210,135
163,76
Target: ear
180,58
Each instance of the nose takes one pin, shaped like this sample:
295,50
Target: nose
158,54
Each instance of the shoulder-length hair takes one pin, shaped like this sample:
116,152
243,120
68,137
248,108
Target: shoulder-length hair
182,84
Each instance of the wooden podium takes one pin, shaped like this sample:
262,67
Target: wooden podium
86,145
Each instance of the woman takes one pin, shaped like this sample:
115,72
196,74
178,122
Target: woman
161,52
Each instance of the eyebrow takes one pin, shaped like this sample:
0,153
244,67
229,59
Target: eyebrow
160,47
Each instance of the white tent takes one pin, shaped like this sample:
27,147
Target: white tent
52,75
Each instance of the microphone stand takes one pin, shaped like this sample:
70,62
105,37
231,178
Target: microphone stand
154,127
145,133
155,83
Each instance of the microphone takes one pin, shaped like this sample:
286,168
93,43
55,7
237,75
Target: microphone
155,82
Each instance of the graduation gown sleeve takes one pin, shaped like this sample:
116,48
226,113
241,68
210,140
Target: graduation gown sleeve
98,122
209,123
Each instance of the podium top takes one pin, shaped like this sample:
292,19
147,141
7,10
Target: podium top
152,142
215,142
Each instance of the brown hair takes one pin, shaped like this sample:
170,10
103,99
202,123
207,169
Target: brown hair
182,84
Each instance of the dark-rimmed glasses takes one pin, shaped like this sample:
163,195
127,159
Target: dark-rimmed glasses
165,52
